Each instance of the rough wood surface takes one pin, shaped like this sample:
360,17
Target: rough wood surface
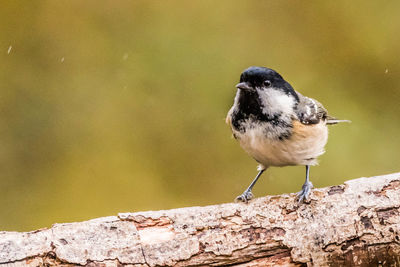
354,224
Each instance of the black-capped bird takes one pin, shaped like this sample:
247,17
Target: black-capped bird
276,125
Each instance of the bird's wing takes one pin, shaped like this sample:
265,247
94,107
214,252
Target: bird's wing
310,111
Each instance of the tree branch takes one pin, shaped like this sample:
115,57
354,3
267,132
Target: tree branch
357,223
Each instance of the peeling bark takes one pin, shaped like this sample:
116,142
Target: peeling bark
354,224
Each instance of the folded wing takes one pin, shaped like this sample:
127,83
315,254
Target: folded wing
310,111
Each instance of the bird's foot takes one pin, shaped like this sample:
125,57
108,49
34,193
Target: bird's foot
245,197
305,192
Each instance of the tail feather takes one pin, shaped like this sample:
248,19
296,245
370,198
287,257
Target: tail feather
334,121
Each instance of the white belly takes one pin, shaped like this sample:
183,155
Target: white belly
302,148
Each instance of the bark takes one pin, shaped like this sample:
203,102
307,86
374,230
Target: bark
354,224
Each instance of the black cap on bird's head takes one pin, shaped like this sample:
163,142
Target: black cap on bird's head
264,78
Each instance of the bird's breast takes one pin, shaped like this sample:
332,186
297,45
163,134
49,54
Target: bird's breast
302,147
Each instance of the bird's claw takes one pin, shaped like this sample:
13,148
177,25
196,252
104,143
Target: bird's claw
305,192
245,197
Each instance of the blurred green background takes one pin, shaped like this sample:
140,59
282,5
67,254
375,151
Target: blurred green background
119,106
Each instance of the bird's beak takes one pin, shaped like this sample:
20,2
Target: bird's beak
244,86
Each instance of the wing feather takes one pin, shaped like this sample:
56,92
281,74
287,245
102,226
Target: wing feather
310,111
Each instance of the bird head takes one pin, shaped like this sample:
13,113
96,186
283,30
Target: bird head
261,80
264,89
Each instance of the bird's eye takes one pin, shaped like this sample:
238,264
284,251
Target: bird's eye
267,83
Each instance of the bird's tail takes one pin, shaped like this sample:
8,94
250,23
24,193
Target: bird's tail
335,121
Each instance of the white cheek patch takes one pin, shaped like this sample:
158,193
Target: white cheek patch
275,101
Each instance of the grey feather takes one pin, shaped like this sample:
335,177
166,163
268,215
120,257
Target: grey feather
310,111
334,121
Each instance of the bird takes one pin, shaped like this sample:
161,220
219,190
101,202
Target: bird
277,126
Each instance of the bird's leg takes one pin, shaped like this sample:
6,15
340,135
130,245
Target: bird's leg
247,194
306,188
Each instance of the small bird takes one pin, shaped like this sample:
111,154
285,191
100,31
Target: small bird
277,126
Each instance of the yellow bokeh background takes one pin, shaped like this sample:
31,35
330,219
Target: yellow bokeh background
119,106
